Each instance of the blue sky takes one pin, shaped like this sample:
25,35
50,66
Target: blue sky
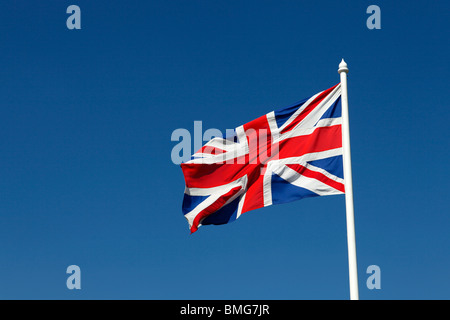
86,175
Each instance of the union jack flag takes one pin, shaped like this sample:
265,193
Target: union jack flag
283,156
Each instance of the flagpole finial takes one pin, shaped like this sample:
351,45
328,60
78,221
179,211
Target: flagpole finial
343,67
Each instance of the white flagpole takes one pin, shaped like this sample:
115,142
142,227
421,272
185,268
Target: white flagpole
351,242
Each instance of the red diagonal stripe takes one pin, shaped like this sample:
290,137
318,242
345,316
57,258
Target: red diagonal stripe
308,110
213,175
317,175
216,205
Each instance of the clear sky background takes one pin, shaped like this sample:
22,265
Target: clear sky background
86,118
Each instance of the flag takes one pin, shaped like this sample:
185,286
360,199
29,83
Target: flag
283,156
